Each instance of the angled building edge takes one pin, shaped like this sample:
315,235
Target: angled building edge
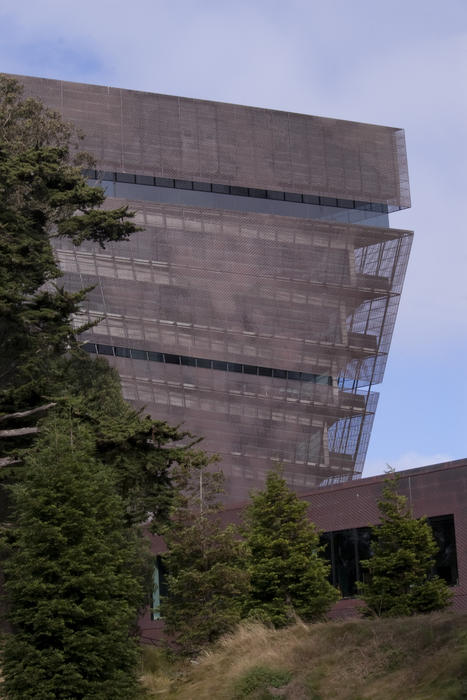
256,305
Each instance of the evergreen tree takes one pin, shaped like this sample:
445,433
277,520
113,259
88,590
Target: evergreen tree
74,575
129,461
151,460
207,581
288,574
42,195
400,579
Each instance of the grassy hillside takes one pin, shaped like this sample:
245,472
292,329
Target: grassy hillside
419,658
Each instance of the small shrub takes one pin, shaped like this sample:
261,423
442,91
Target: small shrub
255,682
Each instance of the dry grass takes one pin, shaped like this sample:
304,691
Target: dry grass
420,658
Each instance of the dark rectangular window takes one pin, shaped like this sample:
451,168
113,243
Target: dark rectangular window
311,199
106,175
159,591
293,375
155,356
219,364
308,377
184,184
274,194
328,201
235,367
239,191
89,347
250,369
363,206
144,180
345,203
265,371
345,546
446,559
164,182
90,173
172,359
347,549
202,186
122,352
293,197
105,349
125,177
188,361
254,192
221,189
205,364
279,373
139,354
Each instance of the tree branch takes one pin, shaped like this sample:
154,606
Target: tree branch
22,414
14,432
6,461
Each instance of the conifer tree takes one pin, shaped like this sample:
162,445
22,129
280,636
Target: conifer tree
288,575
207,580
400,579
43,195
150,459
74,575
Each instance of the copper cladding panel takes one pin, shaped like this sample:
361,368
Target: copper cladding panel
285,292
247,146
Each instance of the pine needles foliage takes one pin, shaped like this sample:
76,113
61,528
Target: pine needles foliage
43,195
76,485
400,579
207,580
289,577
74,574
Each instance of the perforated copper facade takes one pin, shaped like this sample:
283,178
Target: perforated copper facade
261,327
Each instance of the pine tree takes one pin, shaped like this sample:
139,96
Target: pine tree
125,456
288,575
74,575
43,195
150,459
207,581
400,578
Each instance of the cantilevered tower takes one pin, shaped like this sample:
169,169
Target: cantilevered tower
257,304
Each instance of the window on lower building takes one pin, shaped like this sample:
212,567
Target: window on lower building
345,549
159,588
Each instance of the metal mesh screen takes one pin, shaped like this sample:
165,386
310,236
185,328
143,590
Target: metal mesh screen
255,291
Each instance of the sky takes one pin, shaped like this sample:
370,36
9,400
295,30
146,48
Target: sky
401,64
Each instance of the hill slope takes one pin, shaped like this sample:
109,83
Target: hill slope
419,658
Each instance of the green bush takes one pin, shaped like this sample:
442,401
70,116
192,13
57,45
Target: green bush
257,680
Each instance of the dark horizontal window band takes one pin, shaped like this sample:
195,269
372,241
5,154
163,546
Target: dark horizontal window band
187,361
110,176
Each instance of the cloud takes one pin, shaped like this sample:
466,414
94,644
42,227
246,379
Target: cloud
403,65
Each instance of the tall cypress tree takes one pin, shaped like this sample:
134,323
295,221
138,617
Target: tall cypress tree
400,572
74,575
288,575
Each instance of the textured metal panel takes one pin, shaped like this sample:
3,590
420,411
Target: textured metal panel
296,294
263,290
247,146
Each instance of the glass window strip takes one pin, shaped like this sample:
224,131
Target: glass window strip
235,190
205,363
344,549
